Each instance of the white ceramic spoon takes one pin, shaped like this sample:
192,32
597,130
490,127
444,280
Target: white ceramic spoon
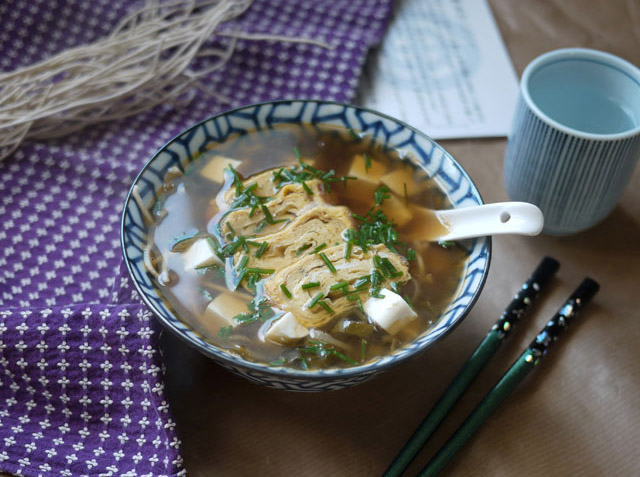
519,218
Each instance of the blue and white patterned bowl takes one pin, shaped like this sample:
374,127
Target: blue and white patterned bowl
182,149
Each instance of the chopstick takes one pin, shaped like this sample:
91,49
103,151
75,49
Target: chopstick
520,368
499,331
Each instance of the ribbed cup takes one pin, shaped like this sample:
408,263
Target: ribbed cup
575,138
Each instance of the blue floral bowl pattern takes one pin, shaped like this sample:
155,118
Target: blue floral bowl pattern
181,150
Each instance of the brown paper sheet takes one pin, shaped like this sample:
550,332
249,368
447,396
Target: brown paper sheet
578,414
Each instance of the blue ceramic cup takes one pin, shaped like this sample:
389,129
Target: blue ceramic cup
575,138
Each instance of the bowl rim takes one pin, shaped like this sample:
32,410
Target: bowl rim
230,358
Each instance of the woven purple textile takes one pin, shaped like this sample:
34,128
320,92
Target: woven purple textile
81,380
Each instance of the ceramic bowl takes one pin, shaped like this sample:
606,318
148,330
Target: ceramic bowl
182,150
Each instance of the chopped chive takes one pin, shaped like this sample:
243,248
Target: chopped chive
411,254
267,214
315,300
278,362
408,300
347,250
353,134
306,188
322,246
446,243
243,262
367,163
225,332
285,290
326,306
260,271
363,349
231,228
406,195
377,262
339,285
302,249
360,305
327,262
261,250
307,286
362,282
205,293
353,297
212,243
381,194
343,357
296,151
260,226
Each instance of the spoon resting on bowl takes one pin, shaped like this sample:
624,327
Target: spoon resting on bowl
520,218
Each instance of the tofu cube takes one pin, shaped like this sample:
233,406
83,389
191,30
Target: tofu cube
397,210
390,313
214,169
221,310
286,329
371,175
201,254
397,180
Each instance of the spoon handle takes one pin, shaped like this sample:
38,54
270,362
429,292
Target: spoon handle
491,219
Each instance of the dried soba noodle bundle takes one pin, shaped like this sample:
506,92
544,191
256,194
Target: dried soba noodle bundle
142,63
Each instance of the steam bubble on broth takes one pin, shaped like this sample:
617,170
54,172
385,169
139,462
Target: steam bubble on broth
307,247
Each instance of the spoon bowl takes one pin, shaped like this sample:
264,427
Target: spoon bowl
519,218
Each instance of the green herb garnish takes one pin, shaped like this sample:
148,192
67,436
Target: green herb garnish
411,254
315,300
260,271
327,262
325,350
301,173
259,310
347,250
262,249
285,290
381,194
408,300
302,249
406,195
322,246
307,286
367,163
225,332
337,286
326,306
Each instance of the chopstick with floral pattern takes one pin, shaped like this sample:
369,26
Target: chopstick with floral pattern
520,368
499,331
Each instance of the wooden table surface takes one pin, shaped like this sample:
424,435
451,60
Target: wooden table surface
578,414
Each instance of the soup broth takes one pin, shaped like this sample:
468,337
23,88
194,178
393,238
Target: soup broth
333,273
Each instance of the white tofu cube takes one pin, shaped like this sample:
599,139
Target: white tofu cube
286,329
201,254
390,313
214,169
221,310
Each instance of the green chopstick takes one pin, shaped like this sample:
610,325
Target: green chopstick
522,366
487,348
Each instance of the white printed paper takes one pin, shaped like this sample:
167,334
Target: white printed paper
444,69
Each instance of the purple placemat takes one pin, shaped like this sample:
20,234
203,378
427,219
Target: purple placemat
81,380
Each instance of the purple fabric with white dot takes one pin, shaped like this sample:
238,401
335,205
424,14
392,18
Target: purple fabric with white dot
81,379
